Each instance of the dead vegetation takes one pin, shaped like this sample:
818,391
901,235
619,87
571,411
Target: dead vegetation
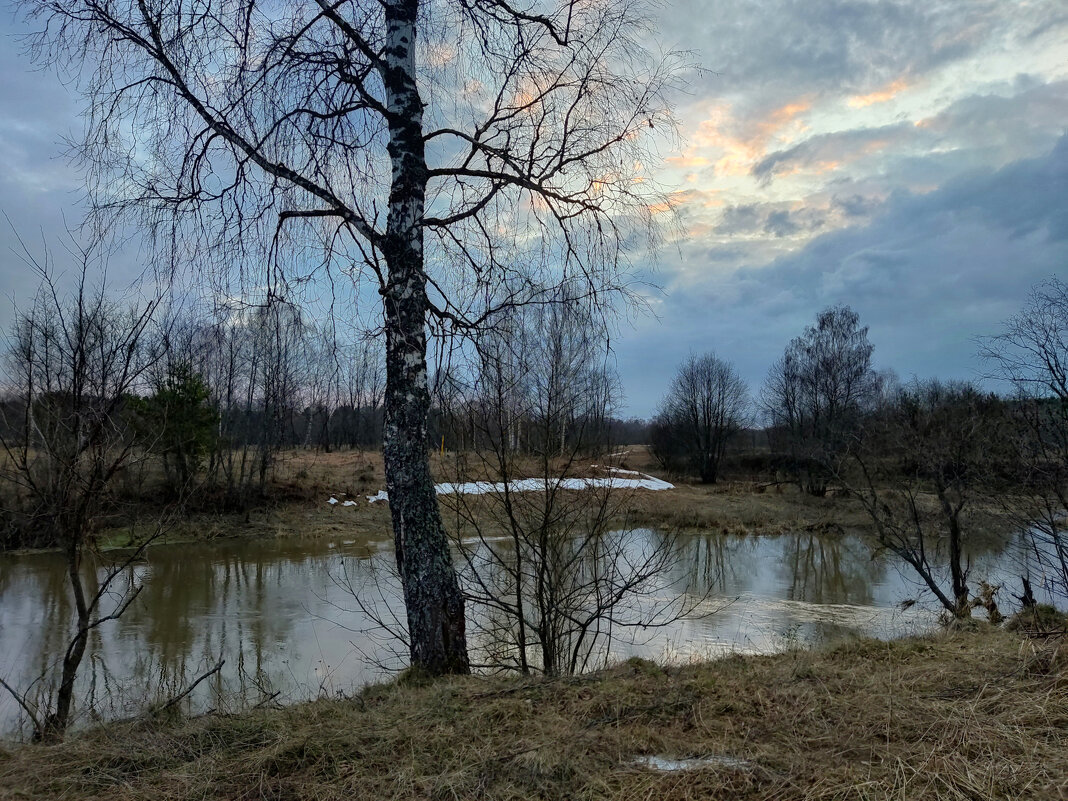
960,715
303,480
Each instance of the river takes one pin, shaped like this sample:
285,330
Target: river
283,614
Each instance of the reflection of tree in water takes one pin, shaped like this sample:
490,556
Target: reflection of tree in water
798,567
722,564
35,624
235,600
829,569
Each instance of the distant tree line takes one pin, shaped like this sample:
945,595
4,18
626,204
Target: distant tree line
920,457
219,393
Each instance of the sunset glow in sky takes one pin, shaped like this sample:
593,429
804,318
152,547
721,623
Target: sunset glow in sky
908,158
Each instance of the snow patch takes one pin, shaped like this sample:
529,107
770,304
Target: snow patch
333,501
545,484
713,761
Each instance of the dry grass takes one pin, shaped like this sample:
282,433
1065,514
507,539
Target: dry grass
730,506
743,507
958,716
304,479
295,505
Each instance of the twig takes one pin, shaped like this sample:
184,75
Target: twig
23,703
192,686
266,700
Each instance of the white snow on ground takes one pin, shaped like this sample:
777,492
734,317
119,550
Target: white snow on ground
543,484
713,761
333,501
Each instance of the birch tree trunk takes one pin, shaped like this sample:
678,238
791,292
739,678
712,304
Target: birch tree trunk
435,607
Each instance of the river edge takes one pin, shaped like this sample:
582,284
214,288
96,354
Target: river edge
728,508
297,504
976,713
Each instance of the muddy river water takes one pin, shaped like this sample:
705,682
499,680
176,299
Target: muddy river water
289,615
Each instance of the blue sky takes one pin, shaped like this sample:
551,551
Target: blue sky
907,158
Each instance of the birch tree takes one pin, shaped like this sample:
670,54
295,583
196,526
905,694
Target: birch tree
462,157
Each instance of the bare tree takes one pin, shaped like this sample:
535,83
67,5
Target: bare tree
916,467
362,383
707,405
74,364
551,569
1032,353
461,155
815,393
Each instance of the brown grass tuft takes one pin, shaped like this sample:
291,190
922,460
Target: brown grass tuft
957,716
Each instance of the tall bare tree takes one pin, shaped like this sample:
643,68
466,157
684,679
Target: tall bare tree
707,405
814,394
567,576
460,154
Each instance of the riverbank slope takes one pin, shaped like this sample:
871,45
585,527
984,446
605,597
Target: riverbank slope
298,504
963,715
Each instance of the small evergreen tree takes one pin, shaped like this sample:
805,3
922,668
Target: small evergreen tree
181,422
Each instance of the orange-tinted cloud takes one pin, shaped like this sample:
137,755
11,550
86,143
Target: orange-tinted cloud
739,143
687,160
670,202
888,92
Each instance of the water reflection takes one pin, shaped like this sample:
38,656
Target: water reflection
282,615
799,567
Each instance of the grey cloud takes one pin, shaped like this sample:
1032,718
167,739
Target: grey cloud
1049,26
928,273
741,219
776,219
855,205
764,52
780,223
1018,118
829,147
958,234
992,127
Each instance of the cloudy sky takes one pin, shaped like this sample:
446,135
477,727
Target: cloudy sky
907,158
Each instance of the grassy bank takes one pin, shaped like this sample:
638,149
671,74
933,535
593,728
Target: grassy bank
296,504
956,716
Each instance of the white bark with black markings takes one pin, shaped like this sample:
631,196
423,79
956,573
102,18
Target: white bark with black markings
432,598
